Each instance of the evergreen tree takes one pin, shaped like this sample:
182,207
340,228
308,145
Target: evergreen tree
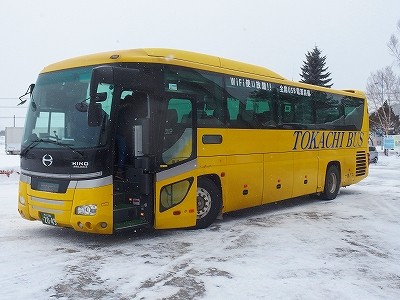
314,71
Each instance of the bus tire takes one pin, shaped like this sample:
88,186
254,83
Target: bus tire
208,202
332,183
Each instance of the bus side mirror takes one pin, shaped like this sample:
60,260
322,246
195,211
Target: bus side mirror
103,74
95,114
100,97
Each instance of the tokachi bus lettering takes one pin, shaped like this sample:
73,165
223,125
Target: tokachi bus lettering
354,139
311,140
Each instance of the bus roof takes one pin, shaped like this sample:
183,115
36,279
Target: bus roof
160,55
180,58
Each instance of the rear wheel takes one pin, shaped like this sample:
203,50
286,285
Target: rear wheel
332,183
208,202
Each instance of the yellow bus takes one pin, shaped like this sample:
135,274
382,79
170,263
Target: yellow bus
163,138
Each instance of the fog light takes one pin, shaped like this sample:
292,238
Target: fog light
86,210
103,224
22,200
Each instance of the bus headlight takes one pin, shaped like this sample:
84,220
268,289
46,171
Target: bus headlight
86,210
22,200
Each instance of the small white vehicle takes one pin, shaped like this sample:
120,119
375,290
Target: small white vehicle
373,155
13,138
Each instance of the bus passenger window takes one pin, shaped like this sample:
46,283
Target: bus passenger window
353,111
329,111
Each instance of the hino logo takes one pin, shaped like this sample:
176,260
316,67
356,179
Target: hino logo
80,164
47,160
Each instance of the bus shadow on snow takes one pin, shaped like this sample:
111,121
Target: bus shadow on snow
69,235
272,207
271,210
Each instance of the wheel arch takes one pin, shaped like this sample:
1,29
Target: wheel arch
331,189
217,181
337,164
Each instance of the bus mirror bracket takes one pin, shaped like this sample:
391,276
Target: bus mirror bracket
29,91
31,87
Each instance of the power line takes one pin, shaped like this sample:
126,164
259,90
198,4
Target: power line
13,107
12,117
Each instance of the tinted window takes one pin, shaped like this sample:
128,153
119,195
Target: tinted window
251,103
208,90
353,113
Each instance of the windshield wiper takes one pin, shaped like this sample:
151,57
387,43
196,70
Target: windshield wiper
34,143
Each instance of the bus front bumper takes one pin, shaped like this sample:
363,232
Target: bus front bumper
86,210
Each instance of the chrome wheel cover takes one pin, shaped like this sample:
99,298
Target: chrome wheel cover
332,182
203,202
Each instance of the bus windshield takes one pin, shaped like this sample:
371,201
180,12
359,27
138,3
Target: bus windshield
57,114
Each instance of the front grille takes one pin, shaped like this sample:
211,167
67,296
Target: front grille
361,163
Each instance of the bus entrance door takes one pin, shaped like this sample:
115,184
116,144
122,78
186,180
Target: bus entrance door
176,194
175,202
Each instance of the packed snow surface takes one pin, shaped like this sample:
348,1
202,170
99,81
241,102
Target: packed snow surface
304,248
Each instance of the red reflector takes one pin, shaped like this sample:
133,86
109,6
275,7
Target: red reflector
191,210
176,213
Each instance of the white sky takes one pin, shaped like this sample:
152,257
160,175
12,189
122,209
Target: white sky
353,34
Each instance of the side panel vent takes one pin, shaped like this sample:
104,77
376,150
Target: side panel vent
361,163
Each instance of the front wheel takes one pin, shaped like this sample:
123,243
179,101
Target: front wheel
332,183
208,202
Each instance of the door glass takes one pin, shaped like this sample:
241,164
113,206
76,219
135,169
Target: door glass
178,131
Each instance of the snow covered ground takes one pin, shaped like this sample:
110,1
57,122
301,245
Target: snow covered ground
348,248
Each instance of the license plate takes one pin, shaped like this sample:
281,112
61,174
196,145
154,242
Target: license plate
48,219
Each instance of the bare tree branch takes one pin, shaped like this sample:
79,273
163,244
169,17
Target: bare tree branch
394,44
383,92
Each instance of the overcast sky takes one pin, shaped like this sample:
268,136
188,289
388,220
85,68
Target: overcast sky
353,34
